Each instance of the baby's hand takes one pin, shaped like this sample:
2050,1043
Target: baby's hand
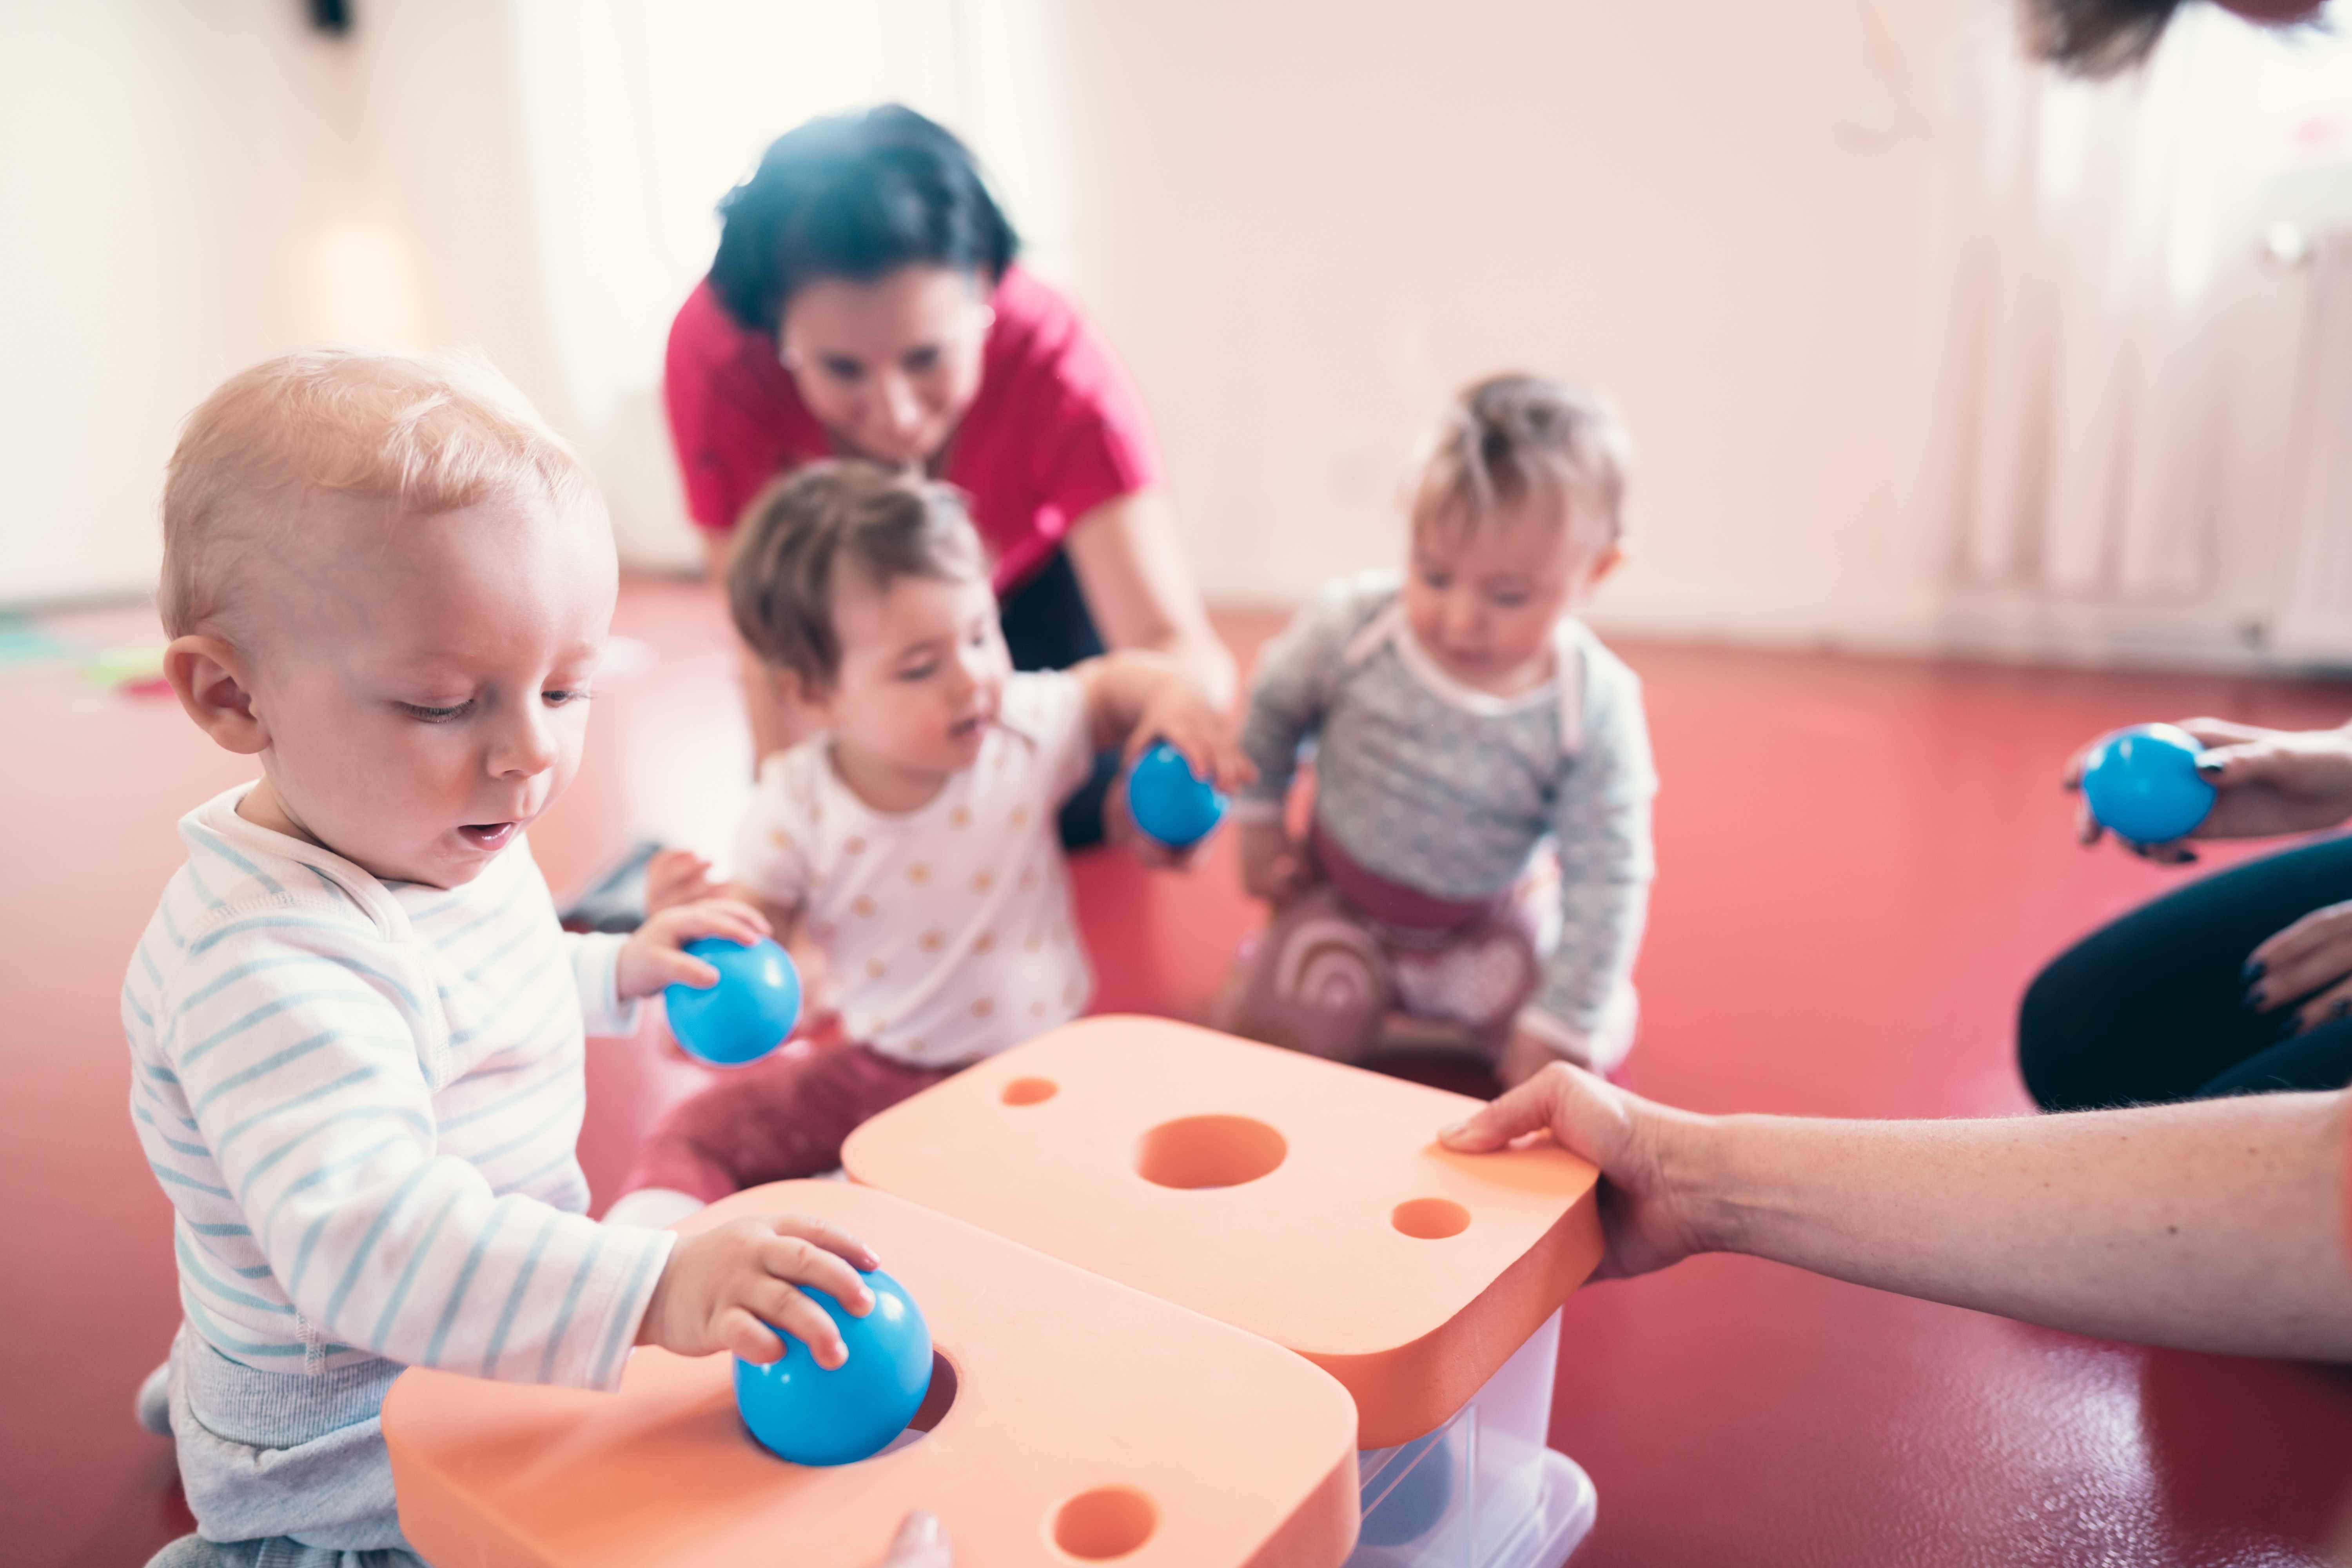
1204,737
725,1288
655,956
675,877
1273,868
1183,718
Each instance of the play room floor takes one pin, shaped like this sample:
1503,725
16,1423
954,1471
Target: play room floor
1861,864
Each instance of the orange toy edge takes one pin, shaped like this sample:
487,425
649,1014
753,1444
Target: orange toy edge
1410,1392
1332,1512
438,1523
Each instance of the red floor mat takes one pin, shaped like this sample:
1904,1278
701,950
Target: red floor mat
1861,864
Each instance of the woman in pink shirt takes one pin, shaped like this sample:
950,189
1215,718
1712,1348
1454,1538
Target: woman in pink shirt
865,301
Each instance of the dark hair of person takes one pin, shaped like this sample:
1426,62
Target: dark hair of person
2096,37
806,532
855,195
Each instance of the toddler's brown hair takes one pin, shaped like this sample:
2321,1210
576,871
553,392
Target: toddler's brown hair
1510,440
803,533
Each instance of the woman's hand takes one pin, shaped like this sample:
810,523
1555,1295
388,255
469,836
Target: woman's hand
2267,781
655,955
1648,1218
2310,961
919,1544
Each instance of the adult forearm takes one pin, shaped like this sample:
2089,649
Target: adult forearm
2217,1226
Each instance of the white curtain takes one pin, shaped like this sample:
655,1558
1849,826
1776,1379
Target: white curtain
558,161
636,115
2094,229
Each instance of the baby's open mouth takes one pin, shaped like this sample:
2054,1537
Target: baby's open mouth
488,835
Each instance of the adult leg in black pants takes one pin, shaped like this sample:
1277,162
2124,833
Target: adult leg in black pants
1048,626
2152,1008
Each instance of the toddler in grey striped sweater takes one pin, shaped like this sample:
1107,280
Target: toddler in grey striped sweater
1461,719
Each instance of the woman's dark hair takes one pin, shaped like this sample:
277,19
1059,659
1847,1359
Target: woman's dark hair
2096,37
855,195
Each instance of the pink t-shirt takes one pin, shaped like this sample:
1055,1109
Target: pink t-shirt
1054,432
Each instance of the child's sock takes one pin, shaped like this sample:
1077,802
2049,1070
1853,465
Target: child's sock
154,1404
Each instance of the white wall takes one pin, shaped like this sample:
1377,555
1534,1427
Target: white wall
186,189
165,172
1305,223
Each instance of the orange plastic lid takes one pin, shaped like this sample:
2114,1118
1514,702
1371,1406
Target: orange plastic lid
1301,1200
1089,1423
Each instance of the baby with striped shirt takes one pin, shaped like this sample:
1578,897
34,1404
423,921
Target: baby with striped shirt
355,1027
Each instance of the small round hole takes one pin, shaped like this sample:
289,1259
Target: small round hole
1030,1091
1431,1219
1209,1151
937,1401
1107,1522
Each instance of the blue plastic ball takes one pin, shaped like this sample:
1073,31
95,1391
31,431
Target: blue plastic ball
748,1013
802,1413
2142,784
1169,801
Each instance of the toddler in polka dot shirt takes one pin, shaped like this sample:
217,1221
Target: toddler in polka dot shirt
911,842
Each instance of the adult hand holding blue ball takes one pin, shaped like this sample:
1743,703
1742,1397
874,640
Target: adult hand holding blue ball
1169,801
802,1412
748,1013
2142,784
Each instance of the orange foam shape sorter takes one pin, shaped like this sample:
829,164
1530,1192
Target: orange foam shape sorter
1305,1201
1088,1423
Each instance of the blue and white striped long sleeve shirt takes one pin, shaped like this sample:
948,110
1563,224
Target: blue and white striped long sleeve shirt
362,1099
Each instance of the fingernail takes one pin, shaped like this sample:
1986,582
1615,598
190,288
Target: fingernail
2258,999
1460,1130
2205,766
2340,1006
2256,969
922,1530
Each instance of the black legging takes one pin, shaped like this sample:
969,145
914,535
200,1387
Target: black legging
1048,626
2151,1007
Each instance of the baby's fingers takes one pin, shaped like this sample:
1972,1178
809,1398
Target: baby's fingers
790,1310
831,1238
729,918
673,967
739,1333
805,1263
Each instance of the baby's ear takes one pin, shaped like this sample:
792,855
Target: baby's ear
1608,561
792,690
208,675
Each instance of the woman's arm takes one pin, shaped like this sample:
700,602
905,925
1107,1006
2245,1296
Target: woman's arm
2215,1225
1131,568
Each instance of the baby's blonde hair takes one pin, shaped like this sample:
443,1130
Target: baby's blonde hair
1510,440
421,436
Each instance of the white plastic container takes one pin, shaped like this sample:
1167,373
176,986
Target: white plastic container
1483,1491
